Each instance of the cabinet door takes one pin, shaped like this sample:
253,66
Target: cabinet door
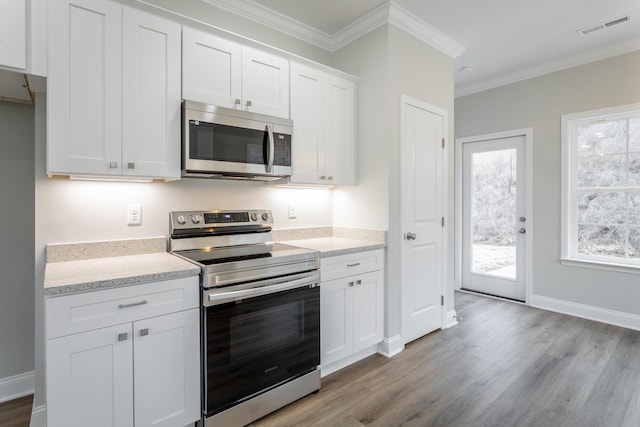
84,86
265,83
308,115
167,369
340,140
211,69
90,379
336,335
368,310
13,47
151,95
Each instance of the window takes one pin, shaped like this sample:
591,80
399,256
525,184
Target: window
601,186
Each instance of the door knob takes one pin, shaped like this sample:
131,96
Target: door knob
411,236
522,231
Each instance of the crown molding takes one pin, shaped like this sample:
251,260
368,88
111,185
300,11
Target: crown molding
276,21
422,30
563,63
388,12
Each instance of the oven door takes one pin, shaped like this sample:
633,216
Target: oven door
259,340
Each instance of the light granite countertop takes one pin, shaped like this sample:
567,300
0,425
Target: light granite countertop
333,246
333,241
76,273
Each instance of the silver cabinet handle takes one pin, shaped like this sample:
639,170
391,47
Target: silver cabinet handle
353,265
522,231
249,104
350,284
131,165
238,102
144,332
330,178
411,236
358,282
123,336
522,219
133,304
323,177
272,148
113,165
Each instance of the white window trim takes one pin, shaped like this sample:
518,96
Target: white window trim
567,202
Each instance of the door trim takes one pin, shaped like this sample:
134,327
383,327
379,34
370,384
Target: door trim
407,100
528,135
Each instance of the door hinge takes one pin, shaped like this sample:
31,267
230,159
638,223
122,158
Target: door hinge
443,221
441,299
442,142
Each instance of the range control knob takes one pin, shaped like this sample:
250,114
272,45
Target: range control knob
195,219
265,216
181,220
254,217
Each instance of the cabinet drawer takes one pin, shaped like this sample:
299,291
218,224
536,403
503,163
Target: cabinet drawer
348,265
91,310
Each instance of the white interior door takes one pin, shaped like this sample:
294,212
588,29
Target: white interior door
494,222
422,252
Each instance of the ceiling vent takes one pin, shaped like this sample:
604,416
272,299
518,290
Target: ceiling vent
604,25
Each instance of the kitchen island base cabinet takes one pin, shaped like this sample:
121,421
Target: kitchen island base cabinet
352,310
144,372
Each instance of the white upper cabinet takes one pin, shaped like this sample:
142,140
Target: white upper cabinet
99,51
13,41
265,83
151,96
323,114
210,69
220,72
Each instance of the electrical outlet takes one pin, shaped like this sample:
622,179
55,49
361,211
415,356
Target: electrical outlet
134,215
293,210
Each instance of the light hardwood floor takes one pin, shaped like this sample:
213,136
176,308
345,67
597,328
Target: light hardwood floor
16,413
505,364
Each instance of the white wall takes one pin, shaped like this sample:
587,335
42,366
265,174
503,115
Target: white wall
367,204
389,63
17,233
538,103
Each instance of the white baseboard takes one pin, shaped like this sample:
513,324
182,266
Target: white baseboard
39,417
451,319
612,317
389,347
16,386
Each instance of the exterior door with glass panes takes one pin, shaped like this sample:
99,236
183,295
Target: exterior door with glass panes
494,223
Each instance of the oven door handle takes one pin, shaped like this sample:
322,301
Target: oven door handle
266,287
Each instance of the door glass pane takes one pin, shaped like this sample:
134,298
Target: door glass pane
493,212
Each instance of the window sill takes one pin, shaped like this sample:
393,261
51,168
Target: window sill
600,265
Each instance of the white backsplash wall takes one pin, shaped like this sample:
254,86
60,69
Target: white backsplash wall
79,211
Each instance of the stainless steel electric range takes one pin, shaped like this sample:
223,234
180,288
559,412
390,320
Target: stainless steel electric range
260,313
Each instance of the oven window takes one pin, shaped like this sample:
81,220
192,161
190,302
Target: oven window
254,344
266,331
208,141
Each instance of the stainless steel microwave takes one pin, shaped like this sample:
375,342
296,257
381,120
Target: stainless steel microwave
222,142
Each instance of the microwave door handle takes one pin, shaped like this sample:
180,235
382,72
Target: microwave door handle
270,149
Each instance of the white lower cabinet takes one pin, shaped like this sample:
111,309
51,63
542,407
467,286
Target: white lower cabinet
351,308
144,370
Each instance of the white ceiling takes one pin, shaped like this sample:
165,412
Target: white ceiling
504,40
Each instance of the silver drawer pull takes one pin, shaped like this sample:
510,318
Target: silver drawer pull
144,332
133,304
350,283
123,336
358,282
353,265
